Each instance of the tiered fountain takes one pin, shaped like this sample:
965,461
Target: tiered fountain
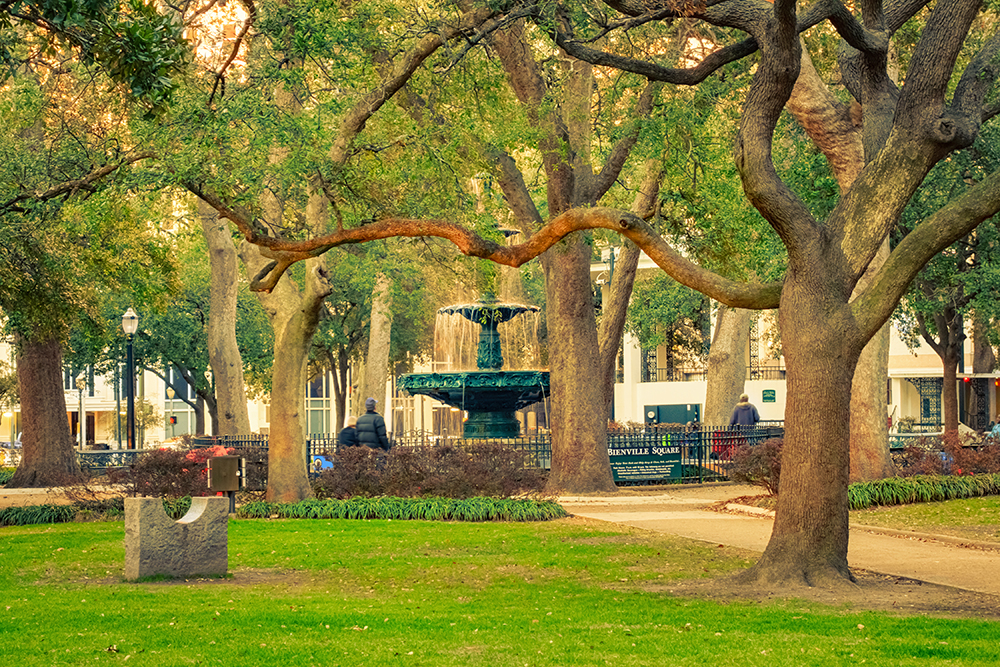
489,394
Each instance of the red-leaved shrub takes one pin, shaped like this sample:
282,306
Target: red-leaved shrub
169,473
448,470
759,465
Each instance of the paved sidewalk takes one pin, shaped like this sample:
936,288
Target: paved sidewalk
938,561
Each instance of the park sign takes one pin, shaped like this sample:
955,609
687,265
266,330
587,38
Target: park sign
645,455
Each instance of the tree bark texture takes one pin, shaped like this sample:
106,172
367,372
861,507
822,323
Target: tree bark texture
832,128
580,460
232,417
984,359
613,316
727,364
870,456
377,360
294,315
808,544
48,457
949,392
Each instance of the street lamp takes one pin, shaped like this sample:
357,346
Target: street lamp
170,396
130,324
81,384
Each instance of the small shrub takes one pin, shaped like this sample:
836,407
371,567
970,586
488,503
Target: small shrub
447,470
356,472
974,461
169,473
918,460
759,465
948,455
6,474
107,508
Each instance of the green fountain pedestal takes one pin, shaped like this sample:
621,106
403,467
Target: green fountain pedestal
490,425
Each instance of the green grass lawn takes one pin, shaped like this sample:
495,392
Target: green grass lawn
317,592
969,518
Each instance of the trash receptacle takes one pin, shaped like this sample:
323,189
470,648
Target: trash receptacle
228,474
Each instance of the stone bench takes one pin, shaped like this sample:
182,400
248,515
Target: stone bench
196,544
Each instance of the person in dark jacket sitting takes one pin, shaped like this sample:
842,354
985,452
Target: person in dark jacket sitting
349,435
371,428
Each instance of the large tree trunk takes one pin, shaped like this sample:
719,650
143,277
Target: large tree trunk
829,124
580,460
949,391
727,364
232,417
808,544
200,426
47,458
377,361
869,447
294,316
870,456
613,315
984,359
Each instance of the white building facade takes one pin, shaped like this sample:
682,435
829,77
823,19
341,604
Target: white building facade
649,391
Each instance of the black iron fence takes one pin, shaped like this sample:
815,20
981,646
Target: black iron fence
97,462
652,454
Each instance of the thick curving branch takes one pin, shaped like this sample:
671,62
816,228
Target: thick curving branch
922,99
979,77
770,89
950,223
284,253
620,152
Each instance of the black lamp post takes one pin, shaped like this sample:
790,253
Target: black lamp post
81,384
130,324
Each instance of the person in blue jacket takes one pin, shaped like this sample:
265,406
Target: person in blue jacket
371,428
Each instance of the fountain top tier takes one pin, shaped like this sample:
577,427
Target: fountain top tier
488,311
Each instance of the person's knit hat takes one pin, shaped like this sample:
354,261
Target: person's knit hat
369,404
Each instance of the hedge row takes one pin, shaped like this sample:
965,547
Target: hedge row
921,489
433,509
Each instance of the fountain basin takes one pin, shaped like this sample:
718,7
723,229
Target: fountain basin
490,397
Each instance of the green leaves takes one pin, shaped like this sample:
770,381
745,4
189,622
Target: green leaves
135,45
664,311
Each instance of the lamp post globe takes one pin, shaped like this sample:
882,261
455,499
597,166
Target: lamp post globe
130,324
